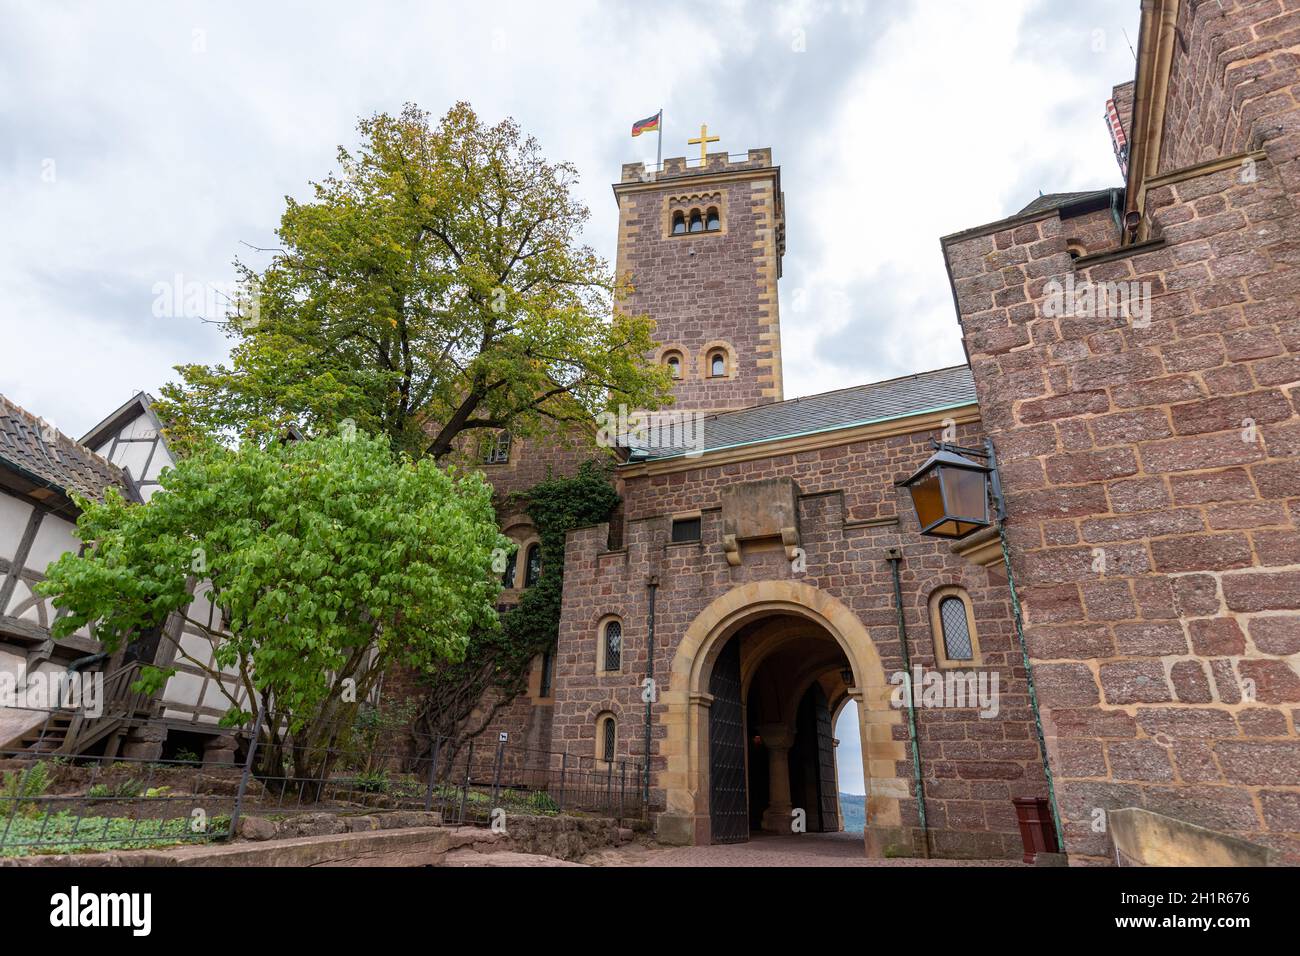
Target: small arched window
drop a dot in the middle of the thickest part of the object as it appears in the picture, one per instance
(697, 221)
(606, 738)
(612, 645)
(508, 578)
(712, 221)
(533, 565)
(717, 365)
(952, 620)
(679, 224)
(956, 632)
(674, 363)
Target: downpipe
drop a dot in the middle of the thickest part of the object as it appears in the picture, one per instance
(895, 558)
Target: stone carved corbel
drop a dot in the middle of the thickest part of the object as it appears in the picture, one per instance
(764, 511)
(790, 539)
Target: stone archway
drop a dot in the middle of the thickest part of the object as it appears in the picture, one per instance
(685, 778)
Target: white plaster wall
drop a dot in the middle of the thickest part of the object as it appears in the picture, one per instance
(53, 538)
(13, 663)
(14, 515)
(132, 457)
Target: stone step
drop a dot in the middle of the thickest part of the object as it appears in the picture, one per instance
(473, 858)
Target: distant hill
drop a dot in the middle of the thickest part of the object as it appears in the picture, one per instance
(855, 811)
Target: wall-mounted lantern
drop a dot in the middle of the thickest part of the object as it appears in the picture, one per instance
(950, 492)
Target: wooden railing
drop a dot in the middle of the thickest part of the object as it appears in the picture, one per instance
(121, 704)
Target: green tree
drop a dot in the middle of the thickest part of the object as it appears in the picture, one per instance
(435, 285)
(330, 560)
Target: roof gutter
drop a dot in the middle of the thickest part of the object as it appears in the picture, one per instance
(1156, 39)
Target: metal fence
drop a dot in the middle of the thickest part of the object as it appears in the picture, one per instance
(52, 802)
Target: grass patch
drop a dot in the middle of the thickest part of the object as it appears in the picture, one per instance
(533, 802)
(64, 833)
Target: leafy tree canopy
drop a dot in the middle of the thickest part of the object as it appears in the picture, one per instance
(331, 559)
(436, 284)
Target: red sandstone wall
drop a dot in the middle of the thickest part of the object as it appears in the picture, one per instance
(1233, 79)
(1095, 231)
(1171, 452)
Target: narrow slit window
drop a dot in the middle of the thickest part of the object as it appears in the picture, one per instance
(613, 646)
(548, 668)
(607, 741)
(533, 567)
(508, 578)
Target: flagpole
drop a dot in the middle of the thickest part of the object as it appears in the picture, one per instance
(659, 158)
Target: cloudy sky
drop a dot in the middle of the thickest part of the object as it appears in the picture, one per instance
(140, 142)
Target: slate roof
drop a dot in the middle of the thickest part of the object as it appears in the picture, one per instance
(827, 411)
(1054, 200)
(43, 452)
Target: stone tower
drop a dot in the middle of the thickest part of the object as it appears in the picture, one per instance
(702, 246)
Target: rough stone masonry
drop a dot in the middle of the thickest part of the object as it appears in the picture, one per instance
(1153, 467)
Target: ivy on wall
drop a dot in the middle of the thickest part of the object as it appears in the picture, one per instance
(497, 663)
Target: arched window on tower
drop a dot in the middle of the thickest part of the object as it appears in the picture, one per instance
(697, 221)
(679, 224)
(717, 365)
(533, 565)
(712, 221)
(674, 362)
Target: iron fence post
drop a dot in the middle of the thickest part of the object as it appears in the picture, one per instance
(496, 775)
(433, 774)
(464, 790)
(609, 784)
(564, 768)
(622, 788)
(248, 770)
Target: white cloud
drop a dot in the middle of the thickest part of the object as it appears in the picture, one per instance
(898, 124)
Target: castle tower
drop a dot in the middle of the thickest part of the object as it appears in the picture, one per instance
(702, 246)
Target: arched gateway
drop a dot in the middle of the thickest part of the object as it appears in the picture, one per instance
(754, 682)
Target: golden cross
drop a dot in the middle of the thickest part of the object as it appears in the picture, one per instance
(704, 141)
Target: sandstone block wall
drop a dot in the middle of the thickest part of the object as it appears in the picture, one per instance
(1153, 469)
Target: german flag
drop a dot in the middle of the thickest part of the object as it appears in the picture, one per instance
(647, 125)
